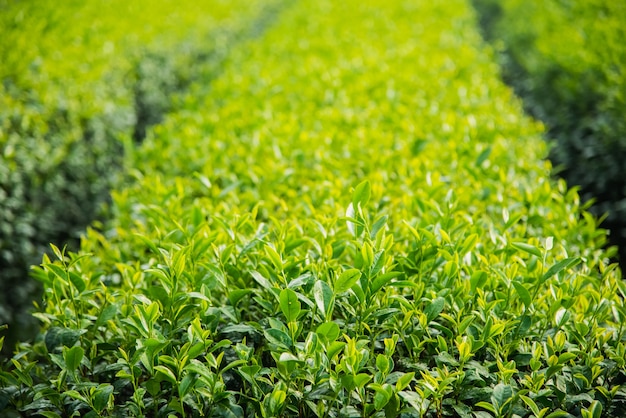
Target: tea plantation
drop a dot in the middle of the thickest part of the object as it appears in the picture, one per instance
(349, 215)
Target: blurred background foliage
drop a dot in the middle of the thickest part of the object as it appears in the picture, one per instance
(567, 60)
(79, 82)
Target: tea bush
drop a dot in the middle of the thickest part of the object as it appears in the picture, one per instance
(353, 219)
(567, 60)
(77, 80)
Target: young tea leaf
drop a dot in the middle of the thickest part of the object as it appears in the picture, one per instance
(73, 357)
(289, 304)
(324, 296)
(560, 266)
(329, 331)
(361, 195)
(346, 280)
(530, 249)
(523, 294)
(477, 280)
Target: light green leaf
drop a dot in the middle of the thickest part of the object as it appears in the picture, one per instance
(324, 298)
(477, 280)
(76, 395)
(346, 280)
(274, 257)
(258, 277)
(166, 373)
(361, 379)
(565, 357)
(560, 266)
(329, 331)
(404, 381)
(530, 249)
(289, 304)
(382, 363)
(73, 356)
(361, 195)
(523, 294)
(557, 414)
(486, 405)
(288, 357)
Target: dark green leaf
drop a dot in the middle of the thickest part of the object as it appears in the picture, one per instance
(78, 282)
(107, 314)
(483, 156)
(501, 394)
(57, 337)
(228, 410)
(101, 397)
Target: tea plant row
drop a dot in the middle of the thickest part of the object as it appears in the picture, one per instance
(567, 60)
(78, 82)
(353, 219)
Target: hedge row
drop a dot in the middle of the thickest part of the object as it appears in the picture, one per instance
(354, 219)
(567, 61)
(78, 80)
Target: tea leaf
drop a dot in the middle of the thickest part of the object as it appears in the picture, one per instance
(78, 282)
(166, 373)
(324, 298)
(289, 304)
(501, 394)
(261, 280)
(346, 280)
(278, 337)
(329, 331)
(530, 249)
(478, 279)
(73, 357)
(404, 381)
(560, 266)
(523, 294)
(434, 308)
(361, 194)
(101, 397)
